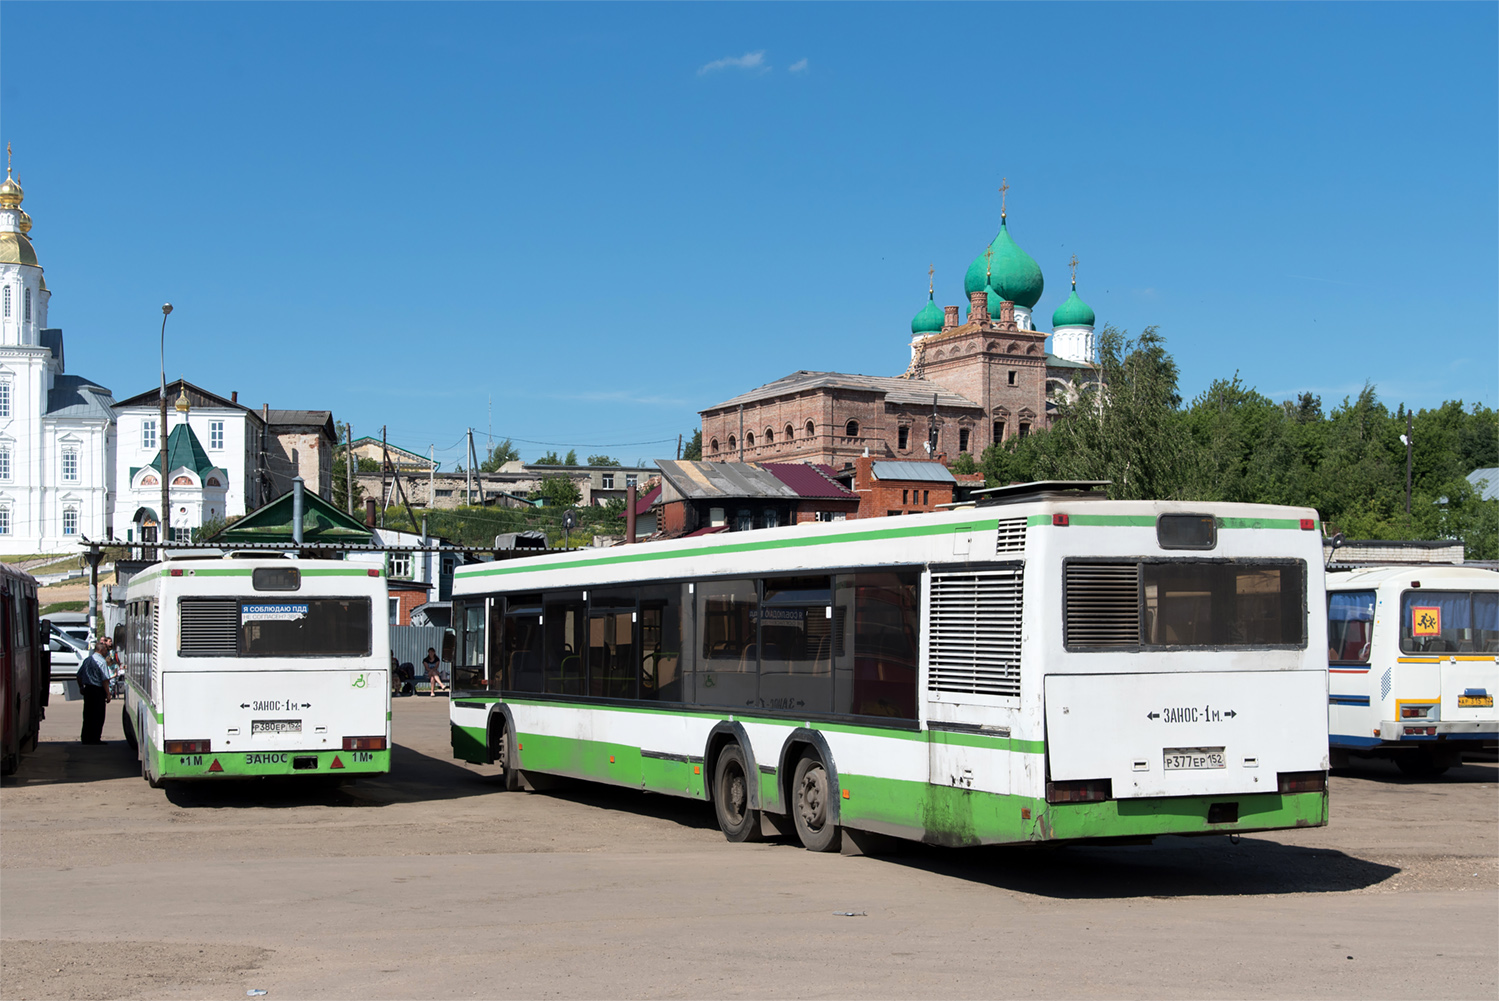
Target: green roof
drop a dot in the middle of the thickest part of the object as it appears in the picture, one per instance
(1072, 313)
(929, 320)
(183, 449)
(1012, 272)
(322, 524)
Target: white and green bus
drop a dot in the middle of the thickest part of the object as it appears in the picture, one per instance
(1048, 665)
(257, 666)
(1413, 664)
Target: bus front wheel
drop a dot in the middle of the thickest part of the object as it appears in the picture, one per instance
(129, 728)
(731, 797)
(811, 809)
(503, 748)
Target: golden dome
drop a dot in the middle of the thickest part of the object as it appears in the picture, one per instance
(182, 403)
(11, 194)
(16, 249)
(25, 222)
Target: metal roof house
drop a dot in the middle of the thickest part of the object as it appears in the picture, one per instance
(702, 497)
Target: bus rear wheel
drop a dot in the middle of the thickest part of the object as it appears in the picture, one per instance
(129, 728)
(503, 746)
(1424, 763)
(811, 792)
(731, 797)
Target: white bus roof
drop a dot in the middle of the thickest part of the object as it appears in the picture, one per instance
(1429, 575)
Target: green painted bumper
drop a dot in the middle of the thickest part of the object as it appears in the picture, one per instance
(247, 763)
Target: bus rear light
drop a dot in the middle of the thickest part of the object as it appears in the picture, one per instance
(176, 571)
(374, 573)
(187, 747)
(1307, 524)
(1420, 731)
(1086, 791)
(1415, 712)
(364, 743)
(1288, 782)
(1060, 520)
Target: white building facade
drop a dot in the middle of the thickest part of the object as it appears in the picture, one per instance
(56, 430)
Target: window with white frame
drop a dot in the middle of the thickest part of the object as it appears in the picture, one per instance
(398, 566)
(4, 397)
(4, 463)
(215, 434)
(148, 434)
(4, 521)
(183, 535)
(70, 465)
(606, 481)
(70, 520)
(629, 480)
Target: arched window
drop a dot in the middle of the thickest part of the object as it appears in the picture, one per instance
(183, 481)
(213, 481)
(26, 306)
(962, 439)
(851, 429)
(732, 444)
(7, 302)
(788, 432)
(811, 430)
(149, 481)
(713, 444)
(749, 440)
(770, 436)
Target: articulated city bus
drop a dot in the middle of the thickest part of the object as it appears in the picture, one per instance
(1048, 665)
(257, 666)
(1413, 664)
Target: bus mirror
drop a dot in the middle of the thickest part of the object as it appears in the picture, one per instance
(119, 636)
(449, 642)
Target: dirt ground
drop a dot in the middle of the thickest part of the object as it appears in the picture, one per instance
(433, 882)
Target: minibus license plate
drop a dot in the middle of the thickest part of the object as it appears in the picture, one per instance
(1475, 701)
(275, 726)
(1186, 758)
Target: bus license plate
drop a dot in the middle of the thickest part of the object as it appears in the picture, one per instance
(275, 726)
(1187, 758)
(1475, 701)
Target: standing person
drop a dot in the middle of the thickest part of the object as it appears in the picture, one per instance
(431, 663)
(93, 681)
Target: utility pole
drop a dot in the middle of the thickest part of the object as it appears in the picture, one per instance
(468, 478)
(349, 463)
(384, 469)
(431, 478)
(679, 453)
(161, 436)
(1407, 468)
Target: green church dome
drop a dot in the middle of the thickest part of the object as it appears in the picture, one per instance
(1013, 273)
(929, 320)
(1072, 313)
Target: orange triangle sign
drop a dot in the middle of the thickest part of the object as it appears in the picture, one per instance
(336, 763)
(216, 767)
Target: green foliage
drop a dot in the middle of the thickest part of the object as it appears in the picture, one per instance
(1234, 444)
(500, 454)
(557, 491)
(551, 459)
(477, 526)
(693, 450)
(341, 482)
(602, 460)
(964, 463)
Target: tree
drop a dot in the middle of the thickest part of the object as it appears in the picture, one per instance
(549, 459)
(500, 454)
(558, 491)
(341, 482)
(602, 460)
(964, 463)
(693, 451)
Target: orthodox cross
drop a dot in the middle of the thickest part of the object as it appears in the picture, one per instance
(989, 263)
(1073, 265)
(1004, 185)
(931, 286)
(7, 159)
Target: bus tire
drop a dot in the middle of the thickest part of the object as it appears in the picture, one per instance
(731, 797)
(811, 808)
(504, 756)
(1422, 763)
(129, 728)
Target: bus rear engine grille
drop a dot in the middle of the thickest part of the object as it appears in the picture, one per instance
(1103, 605)
(210, 627)
(975, 632)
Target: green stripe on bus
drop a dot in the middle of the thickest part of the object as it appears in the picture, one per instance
(242, 763)
(1281, 523)
(742, 547)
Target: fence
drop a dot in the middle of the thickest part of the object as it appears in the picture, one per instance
(410, 643)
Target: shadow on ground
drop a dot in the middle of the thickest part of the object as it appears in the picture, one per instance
(1383, 770)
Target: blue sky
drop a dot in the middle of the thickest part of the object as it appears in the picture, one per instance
(606, 218)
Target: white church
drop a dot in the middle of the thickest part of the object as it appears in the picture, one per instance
(56, 430)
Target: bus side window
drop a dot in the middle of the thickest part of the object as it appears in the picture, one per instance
(661, 642)
(1486, 622)
(728, 655)
(881, 678)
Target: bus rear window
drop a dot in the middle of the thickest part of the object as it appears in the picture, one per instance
(1449, 622)
(306, 627)
(1350, 626)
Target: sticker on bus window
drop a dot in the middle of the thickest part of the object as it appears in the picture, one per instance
(273, 613)
(1426, 621)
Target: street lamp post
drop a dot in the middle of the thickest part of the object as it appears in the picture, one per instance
(161, 436)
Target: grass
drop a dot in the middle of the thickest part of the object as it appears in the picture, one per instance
(63, 606)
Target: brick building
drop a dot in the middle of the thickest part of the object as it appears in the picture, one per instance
(888, 489)
(701, 497)
(969, 383)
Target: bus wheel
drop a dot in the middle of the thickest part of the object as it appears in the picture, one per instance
(129, 729)
(504, 756)
(810, 791)
(731, 797)
(1422, 763)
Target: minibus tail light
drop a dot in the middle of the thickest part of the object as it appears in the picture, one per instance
(1060, 520)
(364, 743)
(1307, 524)
(1086, 791)
(1289, 782)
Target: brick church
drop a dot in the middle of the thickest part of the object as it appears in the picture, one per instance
(971, 382)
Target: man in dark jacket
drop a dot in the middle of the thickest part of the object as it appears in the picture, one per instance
(93, 682)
